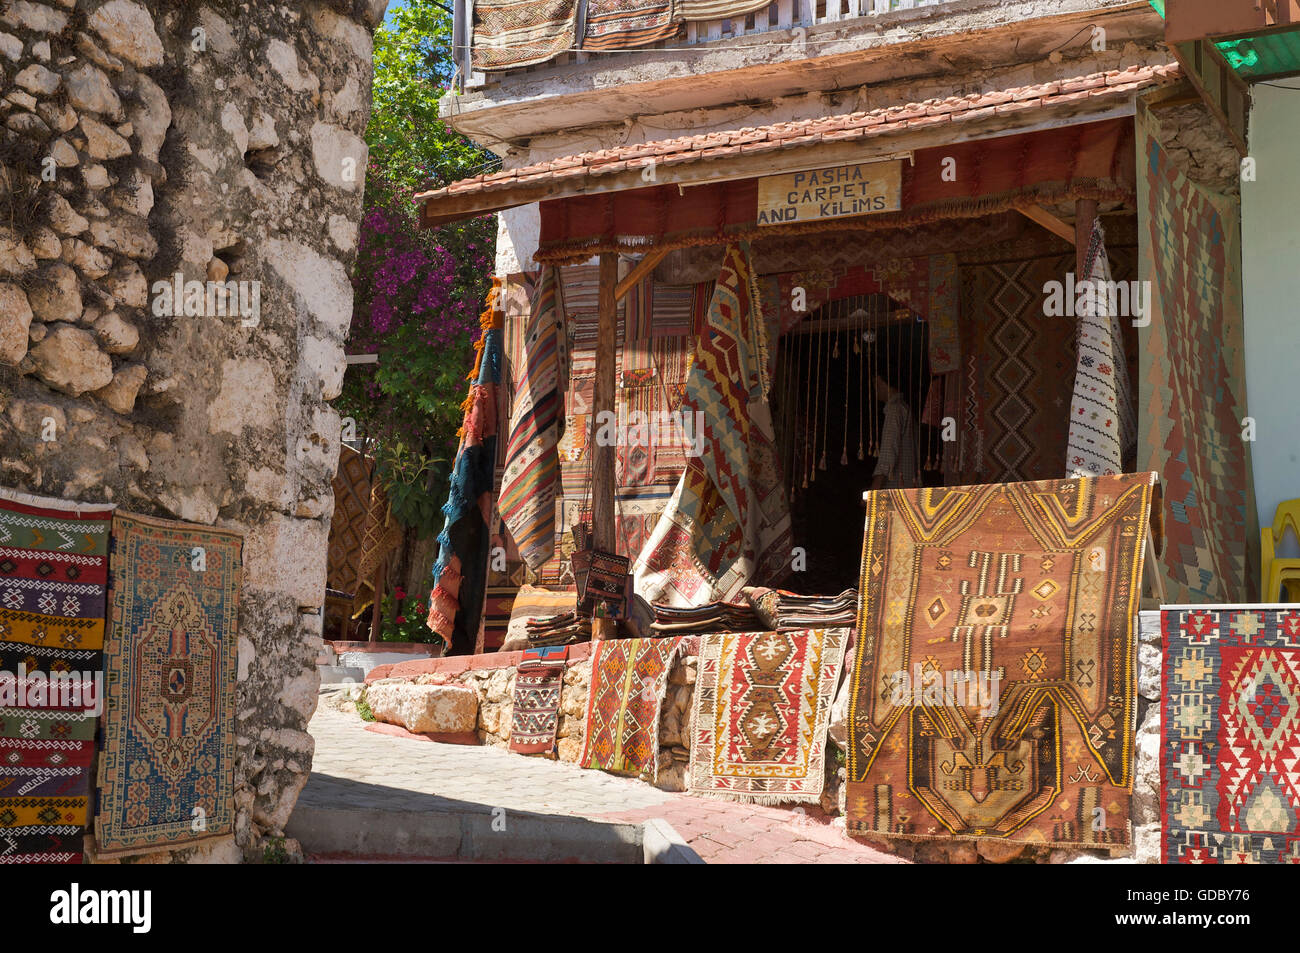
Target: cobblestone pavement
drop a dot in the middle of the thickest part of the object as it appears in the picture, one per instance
(359, 768)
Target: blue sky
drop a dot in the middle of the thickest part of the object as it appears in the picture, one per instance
(393, 5)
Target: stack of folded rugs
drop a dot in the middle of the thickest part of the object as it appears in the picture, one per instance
(560, 629)
(789, 611)
(714, 617)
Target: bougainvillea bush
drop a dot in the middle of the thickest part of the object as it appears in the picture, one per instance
(417, 292)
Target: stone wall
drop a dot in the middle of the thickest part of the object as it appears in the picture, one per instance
(141, 140)
(495, 689)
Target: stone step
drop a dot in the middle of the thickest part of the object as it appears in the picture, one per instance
(460, 832)
(337, 674)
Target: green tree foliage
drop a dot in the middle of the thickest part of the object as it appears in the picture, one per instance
(418, 292)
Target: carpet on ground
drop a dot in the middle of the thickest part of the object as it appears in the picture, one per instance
(53, 575)
(994, 687)
(1230, 730)
(167, 769)
(761, 708)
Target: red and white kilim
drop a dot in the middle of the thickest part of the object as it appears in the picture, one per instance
(762, 707)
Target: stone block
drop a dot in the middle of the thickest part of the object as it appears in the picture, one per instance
(435, 708)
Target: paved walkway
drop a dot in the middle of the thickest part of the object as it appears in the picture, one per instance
(357, 768)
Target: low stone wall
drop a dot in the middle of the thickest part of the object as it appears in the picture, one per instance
(493, 678)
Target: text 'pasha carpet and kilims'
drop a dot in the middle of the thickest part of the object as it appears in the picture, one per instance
(1230, 720)
(994, 691)
(535, 712)
(762, 704)
(53, 572)
(628, 680)
(166, 773)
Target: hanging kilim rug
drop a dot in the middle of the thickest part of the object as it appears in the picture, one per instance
(993, 693)
(535, 712)
(727, 523)
(628, 24)
(53, 572)
(628, 680)
(170, 662)
(509, 34)
(1230, 733)
(1192, 378)
(762, 705)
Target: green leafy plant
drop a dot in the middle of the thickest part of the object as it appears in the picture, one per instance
(402, 619)
(418, 291)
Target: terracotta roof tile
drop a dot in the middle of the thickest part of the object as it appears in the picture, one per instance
(752, 140)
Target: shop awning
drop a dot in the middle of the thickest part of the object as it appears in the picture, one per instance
(798, 145)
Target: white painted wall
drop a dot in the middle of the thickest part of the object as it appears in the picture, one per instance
(518, 230)
(1270, 242)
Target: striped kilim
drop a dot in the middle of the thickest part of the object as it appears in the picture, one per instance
(535, 711)
(167, 770)
(53, 575)
(1230, 724)
(728, 521)
(761, 708)
(532, 472)
(629, 678)
(627, 24)
(1102, 427)
(993, 692)
(509, 34)
(1192, 381)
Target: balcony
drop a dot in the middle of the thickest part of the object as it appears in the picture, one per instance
(768, 59)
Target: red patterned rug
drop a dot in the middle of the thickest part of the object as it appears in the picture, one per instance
(535, 712)
(762, 704)
(1230, 726)
(628, 680)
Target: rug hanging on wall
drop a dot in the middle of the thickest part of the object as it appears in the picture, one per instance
(994, 690)
(761, 708)
(1230, 723)
(1020, 367)
(1192, 380)
(535, 711)
(629, 678)
(532, 469)
(728, 521)
(53, 574)
(170, 659)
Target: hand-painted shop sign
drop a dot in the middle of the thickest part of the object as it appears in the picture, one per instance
(836, 192)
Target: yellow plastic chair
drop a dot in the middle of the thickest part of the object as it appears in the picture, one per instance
(1280, 573)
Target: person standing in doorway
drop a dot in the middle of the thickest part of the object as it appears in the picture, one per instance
(896, 462)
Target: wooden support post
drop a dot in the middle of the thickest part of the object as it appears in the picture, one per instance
(1085, 213)
(602, 490)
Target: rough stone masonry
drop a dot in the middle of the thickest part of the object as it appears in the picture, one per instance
(215, 149)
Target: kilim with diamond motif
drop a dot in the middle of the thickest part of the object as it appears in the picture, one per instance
(1028, 591)
(629, 678)
(53, 577)
(1230, 735)
(509, 34)
(170, 659)
(1192, 381)
(761, 708)
(535, 711)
